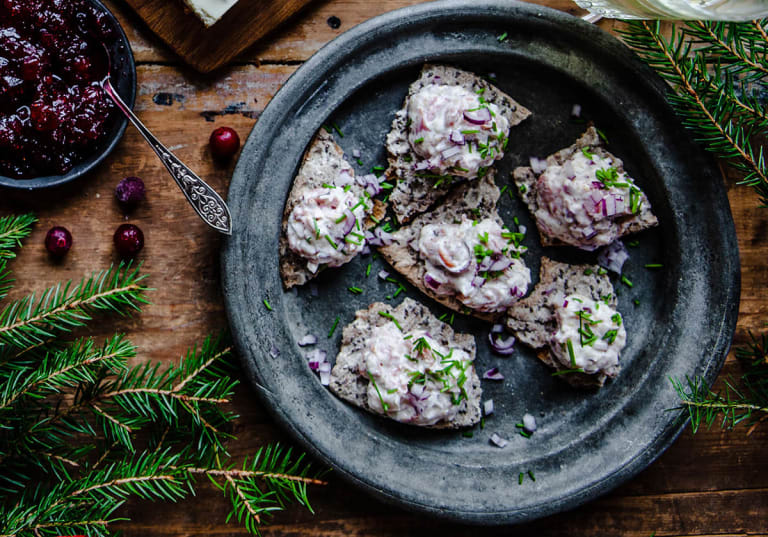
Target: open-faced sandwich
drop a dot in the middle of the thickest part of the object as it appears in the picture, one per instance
(582, 196)
(571, 318)
(453, 126)
(326, 214)
(461, 254)
(405, 364)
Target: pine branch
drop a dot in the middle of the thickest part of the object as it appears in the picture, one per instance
(62, 308)
(12, 230)
(703, 87)
(745, 403)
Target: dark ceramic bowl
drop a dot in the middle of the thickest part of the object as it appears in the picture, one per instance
(123, 72)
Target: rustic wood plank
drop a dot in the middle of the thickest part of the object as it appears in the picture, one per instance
(715, 483)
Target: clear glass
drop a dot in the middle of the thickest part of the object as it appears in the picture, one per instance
(724, 10)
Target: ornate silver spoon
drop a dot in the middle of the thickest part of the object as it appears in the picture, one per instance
(208, 204)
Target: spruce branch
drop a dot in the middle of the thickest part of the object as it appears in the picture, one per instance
(62, 308)
(745, 403)
(713, 69)
(82, 431)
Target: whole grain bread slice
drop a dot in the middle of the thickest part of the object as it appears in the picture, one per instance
(526, 179)
(322, 164)
(348, 383)
(532, 320)
(414, 194)
(473, 199)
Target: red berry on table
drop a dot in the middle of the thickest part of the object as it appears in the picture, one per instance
(224, 143)
(129, 240)
(58, 241)
(130, 191)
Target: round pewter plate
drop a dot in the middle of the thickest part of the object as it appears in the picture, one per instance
(679, 319)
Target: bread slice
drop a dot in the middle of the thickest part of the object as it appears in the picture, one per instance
(348, 384)
(532, 320)
(526, 179)
(322, 163)
(474, 199)
(412, 194)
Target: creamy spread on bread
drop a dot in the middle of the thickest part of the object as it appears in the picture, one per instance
(455, 131)
(326, 227)
(477, 261)
(590, 335)
(580, 200)
(412, 378)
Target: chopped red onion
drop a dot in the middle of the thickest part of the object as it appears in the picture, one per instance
(501, 264)
(478, 281)
(457, 138)
(485, 264)
(325, 378)
(538, 165)
(451, 152)
(431, 282)
(529, 423)
(344, 178)
(274, 352)
(356, 153)
(568, 170)
(421, 165)
(609, 209)
(488, 407)
(349, 222)
(613, 256)
(324, 366)
(383, 274)
(366, 249)
(497, 329)
(493, 374)
(500, 345)
(479, 116)
(309, 339)
(499, 441)
(417, 389)
(576, 111)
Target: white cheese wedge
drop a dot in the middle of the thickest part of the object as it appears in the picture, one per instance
(210, 11)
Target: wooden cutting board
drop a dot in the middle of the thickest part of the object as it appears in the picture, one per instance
(206, 49)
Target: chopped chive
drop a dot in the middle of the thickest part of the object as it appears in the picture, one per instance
(384, 405)
(368, 270)
(523, 189)
(524, 434)
(267, 304)
(378, 169)
(340, 219)
(502, 37)
(601, 271)
(626, 281)
(530, 474)
(633, 244)
(328, 129)
(503, 189)
(482, 423)
(602, 135)
(571, 354)
(391, 317)
(520, 478)
(566, 371)
(359, 162)
(330, 241)
(654, 265)
(418, 140)
(587, 272)
(451, 320)
(472, 131)
(636, 302)
(337, 129)
(355, 290)
(333, 328)
(467, 434)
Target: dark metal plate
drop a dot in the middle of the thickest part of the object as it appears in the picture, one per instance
(682, 323)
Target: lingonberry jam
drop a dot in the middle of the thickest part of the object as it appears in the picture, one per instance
(52, 110)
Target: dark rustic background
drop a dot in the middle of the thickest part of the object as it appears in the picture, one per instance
(715, 483)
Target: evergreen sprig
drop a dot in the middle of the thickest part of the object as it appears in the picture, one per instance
(743, 402)
(718, 76)
(82, 430)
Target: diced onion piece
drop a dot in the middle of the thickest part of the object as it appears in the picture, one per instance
(500, 345)
(613, 256)
(309, 339)
(325, 378)
(529, 423)
(538, 165)
(274, 352)
(383, 274)
(356, 153)
(499, 441)
(488, 407)
(451, 152)
(349, 222)
(501, 264)
(493, 374)
(457, 138)
(479, 116)
(324, 366)
(497, 329)
(576, 110)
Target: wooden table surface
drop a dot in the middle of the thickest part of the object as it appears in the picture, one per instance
(715, 483)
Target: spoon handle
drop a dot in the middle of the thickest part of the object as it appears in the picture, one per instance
(204, 199)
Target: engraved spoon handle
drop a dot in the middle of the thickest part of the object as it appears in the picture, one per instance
(204, 199)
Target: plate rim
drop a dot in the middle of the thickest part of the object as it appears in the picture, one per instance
(359, 35)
